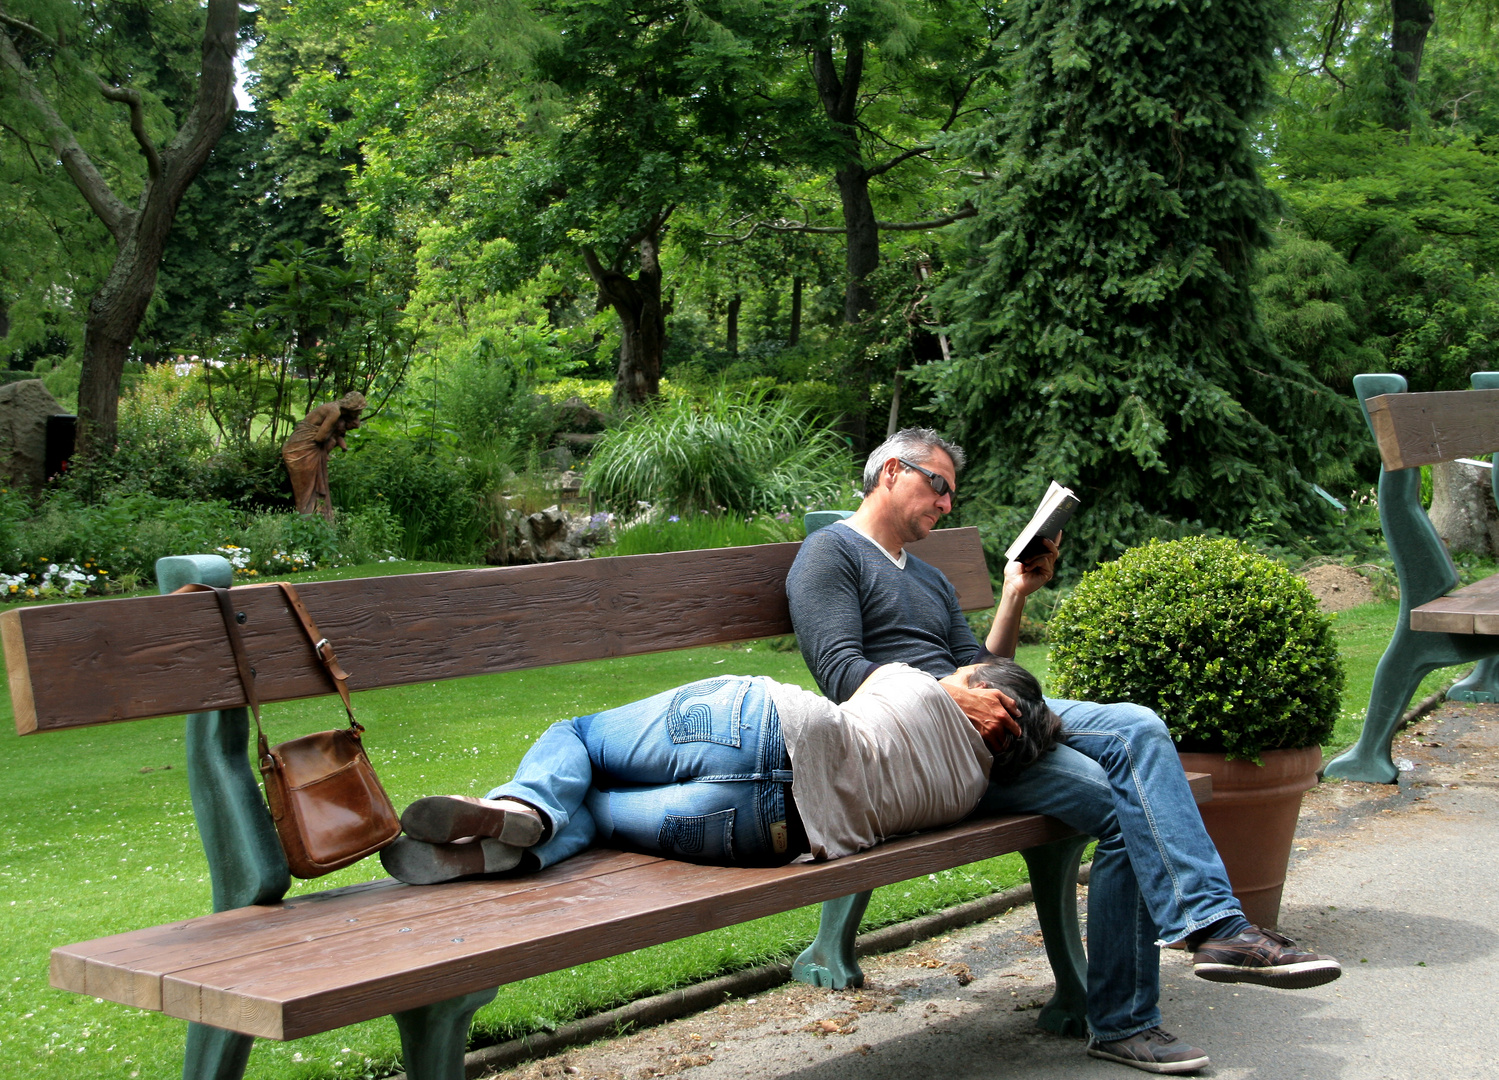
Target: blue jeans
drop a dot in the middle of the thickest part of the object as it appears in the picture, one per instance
(696, 773)
(1156, 875)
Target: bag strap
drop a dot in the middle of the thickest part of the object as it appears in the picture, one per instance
(324, 650)
(241, 661)
(321, 647)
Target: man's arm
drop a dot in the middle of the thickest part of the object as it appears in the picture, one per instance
(1021, 579)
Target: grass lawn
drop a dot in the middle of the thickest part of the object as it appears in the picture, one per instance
(103, 840)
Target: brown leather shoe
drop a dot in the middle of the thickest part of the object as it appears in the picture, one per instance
(418, 863)
(442, 819)
(1264, 958)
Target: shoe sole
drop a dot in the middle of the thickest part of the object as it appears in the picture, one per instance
(439, 819)
(1286, 977)
(417, 862)
(1166, 1067)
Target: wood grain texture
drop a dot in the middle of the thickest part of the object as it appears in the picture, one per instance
(130, 659)
(13, 638)
(325, 960)
(1423, 429)
(133, 964)
(1473, 609)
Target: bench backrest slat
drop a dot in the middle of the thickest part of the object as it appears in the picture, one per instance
(1423, 429)
(130, 659)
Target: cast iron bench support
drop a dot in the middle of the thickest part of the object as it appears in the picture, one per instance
(1434, 630)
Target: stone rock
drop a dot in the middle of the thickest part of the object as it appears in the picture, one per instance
(577, 415)
(550, 535)
(1462, 508)
(24, 408)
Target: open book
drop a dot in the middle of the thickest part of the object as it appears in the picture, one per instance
(1056, 509)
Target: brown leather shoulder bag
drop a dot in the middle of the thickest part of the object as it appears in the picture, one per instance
(329, 807)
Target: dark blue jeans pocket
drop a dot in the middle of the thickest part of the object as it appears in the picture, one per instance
(708, 711)
(701, 838)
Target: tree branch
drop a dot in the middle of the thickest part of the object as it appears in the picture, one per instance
(783, 226)
(968, 211)
(22, 24)
(80, 169)
(132, 98)
(915, 151)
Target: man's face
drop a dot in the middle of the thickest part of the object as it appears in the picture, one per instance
(915, 508)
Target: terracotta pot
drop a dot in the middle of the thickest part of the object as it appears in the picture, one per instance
(1252, 820)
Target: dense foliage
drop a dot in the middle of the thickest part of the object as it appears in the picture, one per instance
(1226, 645)
(1105, 324)
(1138, 246)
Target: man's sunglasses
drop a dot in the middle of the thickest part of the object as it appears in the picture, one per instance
(937, 480)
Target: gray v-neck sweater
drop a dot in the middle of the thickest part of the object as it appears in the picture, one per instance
(853, 610)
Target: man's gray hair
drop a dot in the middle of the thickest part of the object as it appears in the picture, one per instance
(915, 444)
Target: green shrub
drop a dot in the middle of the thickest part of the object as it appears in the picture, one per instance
(1227, 645)
(426, 487)
(490, 402)
(122, 534)
(249, 475)
(728, 452)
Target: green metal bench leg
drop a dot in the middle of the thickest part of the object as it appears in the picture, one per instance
(829, 961)
(245, 861)
(1482, 685)
(434, 1037)
(1410, 657)
(215, 1054)
(1053, 870)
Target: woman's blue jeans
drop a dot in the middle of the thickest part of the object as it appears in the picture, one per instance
(696, 773)
(1156, 875)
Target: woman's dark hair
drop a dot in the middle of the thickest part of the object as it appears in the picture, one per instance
(1040, 728)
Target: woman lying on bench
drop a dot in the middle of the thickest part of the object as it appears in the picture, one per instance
(705, 772)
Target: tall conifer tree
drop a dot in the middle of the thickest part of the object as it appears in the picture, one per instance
(1105, 333)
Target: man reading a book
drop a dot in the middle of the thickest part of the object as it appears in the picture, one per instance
(859, 600)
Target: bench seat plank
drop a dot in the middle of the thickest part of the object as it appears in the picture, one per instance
(130, 967)
(90, 663)
(299, 968)
(1473, 609)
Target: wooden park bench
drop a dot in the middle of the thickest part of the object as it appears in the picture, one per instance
(1439, 624)
(430, 956)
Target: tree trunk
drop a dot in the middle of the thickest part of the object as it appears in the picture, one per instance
(140, 232)
(861, 253)
(114, 315)
(894, 423)
(1412, 21)
(642, 320)
(732, 330)
(796, 312)
(1462, 508)
(840, 101)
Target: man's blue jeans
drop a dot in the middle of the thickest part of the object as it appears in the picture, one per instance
(696, 773)
(1156, 875)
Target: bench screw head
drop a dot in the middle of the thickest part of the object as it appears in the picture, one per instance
(241, 618)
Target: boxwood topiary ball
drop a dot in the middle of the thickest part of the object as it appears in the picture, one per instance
(1225, 644)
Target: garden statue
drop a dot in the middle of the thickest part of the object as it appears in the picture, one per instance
(306, 453)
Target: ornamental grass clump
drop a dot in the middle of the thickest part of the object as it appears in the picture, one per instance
(1226, 645)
